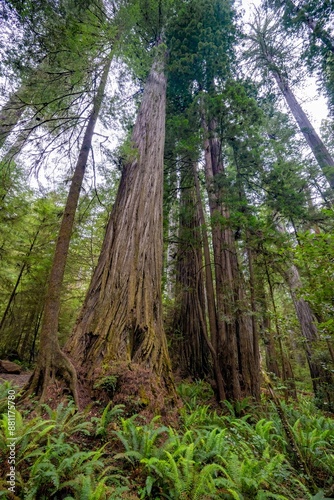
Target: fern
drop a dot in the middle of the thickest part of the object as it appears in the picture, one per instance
(109, 414)
(139, 441)
(182, 477)
(59, 466)
(68, 420)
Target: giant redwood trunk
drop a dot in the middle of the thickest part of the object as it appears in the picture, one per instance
(319, 150)
(189, 323)
(238, 356)
(51, 361)
(120, 327)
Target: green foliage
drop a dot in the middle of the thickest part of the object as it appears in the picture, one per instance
(67, 419)
(199, 31)
(138, 441)
(210, 455)
(109, 414)
(107, 383)
(179, 475)
(316, 251)
(50, 462)
(58, 466)
(193, 394)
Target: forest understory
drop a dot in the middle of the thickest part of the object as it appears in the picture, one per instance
(201, 451)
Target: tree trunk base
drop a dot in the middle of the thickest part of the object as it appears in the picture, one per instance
(139, 389)
(48, 369)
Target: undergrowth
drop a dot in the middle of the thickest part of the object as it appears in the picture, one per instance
(240, 453)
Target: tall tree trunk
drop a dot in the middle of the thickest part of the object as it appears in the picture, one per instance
(51, 361)
(272, 357)
(255, 328)
(190, 299)
(287, 372)
(237, 356)
(319, 32)
(120, 328)
(319, 150)
(211, 299)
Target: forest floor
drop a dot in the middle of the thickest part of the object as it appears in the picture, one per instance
(240, 451)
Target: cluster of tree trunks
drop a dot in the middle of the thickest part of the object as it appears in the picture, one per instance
(120, 326)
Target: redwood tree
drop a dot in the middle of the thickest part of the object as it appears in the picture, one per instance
(189, 323)
(120, 329)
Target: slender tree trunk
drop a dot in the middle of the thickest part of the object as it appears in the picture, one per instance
(237, 357)
(36, 330)
(190, 299)
(27, 330)
(319, 150)
(318, 31)
(266, 333)
(322, 379)
(18, 279)
(120, 329)
(210, 296)
(287, 373)
(51, 360)
(255, 329)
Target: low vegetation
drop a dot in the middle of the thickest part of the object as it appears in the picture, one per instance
(242, 452)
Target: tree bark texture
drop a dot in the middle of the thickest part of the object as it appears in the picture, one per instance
(287, 372)
(255, 327)
(51, 361)
(189, 316)
(267, 336)
(212, 340)
(239, 362)
(121, 321)
(319, 150)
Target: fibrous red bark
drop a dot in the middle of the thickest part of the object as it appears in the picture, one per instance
(189, 323)
(120, 325)
(238, 355)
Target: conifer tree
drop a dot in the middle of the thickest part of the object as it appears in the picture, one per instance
(268, 51)
(189, 324)
(120, 330)
(52, 362)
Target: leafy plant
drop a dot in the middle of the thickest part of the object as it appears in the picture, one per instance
(139, 441)
(181, 477)
(109, 414)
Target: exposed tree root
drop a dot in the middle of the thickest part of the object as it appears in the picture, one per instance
(49, 368)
